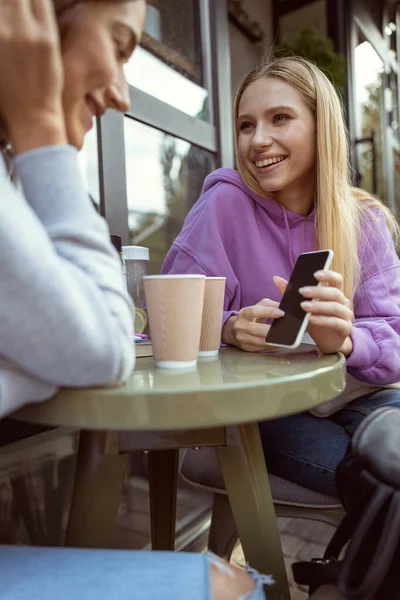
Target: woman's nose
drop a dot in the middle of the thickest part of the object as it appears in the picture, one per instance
(117, 95)
(261, 138)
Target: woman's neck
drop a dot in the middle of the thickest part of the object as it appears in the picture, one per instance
(298, 199)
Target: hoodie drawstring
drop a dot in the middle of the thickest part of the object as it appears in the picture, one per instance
(292, 257)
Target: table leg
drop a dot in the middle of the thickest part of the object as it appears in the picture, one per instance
(97, 493)
(163, 482)
(246, 479)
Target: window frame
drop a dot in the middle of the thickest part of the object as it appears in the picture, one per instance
(215, 136)
(361, 21)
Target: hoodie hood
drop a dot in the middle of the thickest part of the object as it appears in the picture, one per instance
(278, 213)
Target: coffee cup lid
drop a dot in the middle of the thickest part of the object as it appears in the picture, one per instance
(135, 253)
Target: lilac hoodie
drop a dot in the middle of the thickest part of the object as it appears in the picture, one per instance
(233, 232)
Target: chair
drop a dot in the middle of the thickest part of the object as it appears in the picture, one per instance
(200, 468)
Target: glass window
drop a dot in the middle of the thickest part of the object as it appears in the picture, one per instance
(168, 65)
(391, 30)
(172, 33)
(375, 10)
(152, 76)
(89, 164)
(393, 103)
(164, 179)
(369, 73)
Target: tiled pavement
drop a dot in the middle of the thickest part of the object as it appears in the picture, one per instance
(301, 539)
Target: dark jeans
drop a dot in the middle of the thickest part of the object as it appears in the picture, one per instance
(307, 450)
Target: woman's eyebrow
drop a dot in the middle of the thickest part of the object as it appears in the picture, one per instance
(268, 111)
(281, 107)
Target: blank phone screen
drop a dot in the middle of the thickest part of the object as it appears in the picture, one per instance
(284, 331)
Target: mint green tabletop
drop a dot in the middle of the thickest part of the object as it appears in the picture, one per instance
(236, 387)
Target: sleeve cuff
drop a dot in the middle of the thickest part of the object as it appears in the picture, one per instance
(227, 314)
(365, 351)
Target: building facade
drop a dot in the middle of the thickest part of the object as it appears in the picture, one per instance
(145, 169)
(367, 33)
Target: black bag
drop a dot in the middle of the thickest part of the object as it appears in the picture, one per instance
(368, 481)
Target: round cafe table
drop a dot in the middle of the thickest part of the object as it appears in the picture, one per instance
(217, 404)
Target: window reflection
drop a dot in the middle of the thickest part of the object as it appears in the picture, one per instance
(391, 30)
(152, 76)
(88, 161)
(393, 103)
(168, 65)
(369, 71)
(164, 179)
(171, 34)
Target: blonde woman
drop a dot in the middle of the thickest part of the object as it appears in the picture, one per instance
(291, 194)
(65, 316)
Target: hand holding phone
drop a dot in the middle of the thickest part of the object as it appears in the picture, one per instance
(288, 331)
(248, 329)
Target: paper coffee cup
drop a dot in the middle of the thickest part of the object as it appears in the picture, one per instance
(214, 294)
(175, 305)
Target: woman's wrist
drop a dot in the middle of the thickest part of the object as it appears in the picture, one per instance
(47, 130)
(227, 331)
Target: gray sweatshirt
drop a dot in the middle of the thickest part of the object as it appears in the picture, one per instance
(65, 316)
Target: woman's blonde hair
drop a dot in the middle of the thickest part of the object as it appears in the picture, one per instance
(339, 208)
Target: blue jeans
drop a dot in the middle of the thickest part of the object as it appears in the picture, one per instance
(307, 449)
(75, 574)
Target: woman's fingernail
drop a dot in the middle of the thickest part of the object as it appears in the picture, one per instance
(277, 312)
(305, 290)
(306, 304)
(319, 274)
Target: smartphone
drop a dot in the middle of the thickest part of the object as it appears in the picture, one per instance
(288, 331)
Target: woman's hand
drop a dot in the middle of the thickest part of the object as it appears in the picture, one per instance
(31, 74)
(248, 330)
(331, 319)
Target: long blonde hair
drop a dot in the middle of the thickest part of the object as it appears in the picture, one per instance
(339, 208)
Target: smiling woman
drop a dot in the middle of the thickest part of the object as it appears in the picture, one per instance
(51, 90)
(292, 194)
(278, 167)
(97, 39)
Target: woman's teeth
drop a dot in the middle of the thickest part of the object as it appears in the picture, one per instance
(269, 161)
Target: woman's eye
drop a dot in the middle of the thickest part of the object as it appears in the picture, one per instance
(245, 125)
(281, 118)
(122, 54)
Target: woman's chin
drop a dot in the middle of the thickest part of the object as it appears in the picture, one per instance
(79, 144)
(76, 137)
(270, 187)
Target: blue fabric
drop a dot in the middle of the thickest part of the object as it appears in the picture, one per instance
(28, 573)
(307, 449)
